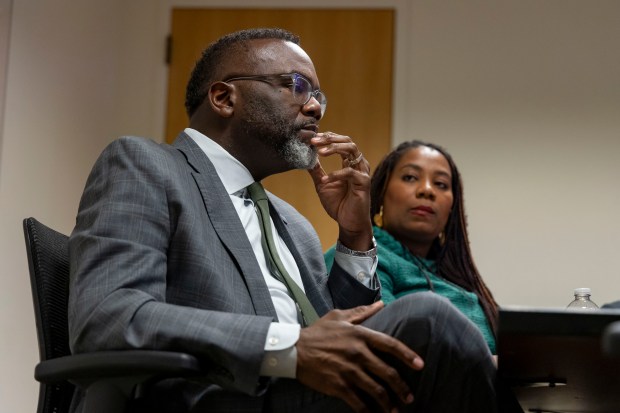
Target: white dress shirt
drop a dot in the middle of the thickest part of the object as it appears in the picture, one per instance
(281, 356)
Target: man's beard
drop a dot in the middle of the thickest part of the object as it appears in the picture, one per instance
(295, 153)
(265, 123)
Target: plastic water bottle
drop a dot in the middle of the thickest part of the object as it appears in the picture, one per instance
(582, 300)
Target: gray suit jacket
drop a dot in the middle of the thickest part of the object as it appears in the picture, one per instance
(160, 260)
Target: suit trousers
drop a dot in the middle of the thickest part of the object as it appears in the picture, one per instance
(458, 376)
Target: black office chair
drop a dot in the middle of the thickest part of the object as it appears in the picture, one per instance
(611, 336)
(611, 340)
(110, 379)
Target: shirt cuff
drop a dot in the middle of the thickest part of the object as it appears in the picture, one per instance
(361, 268)
(280, 358)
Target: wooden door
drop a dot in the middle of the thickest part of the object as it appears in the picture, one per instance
(352, 53)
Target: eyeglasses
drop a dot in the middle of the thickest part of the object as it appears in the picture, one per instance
(300, 86)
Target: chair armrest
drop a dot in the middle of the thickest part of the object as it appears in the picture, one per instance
(110, 378)
(83, 369)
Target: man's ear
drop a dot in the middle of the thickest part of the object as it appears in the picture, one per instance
(222, 97)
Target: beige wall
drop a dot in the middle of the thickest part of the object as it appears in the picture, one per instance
(526, 96)
(5, 31)
(523, 93)
(80, 73)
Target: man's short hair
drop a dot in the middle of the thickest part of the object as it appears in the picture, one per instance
(214, 55)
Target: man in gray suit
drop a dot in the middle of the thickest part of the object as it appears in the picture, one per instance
(167, 253)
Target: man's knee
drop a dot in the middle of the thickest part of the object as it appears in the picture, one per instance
(437, 310)
(412, 319)
(422, 303)
(429, 317)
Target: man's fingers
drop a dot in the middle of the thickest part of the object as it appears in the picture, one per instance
(386, 374)
(330, 143)
(317, 173)
(389, 345)
(380, 381)
(376, 391)
(359, 365)
(361, 313)
(356, 315)
(390, 376)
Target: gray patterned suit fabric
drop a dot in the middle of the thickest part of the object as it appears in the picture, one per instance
(159, 259)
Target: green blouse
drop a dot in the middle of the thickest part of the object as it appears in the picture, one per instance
(400, 273)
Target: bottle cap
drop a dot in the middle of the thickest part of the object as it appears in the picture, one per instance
(581, 291)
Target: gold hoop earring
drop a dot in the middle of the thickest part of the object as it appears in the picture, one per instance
(442, 238)
(378, 218)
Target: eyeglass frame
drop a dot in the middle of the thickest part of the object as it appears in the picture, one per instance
(293, 76)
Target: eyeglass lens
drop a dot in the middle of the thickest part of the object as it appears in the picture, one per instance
(302, 90)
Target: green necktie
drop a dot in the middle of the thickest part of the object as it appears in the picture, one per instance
(259, 197)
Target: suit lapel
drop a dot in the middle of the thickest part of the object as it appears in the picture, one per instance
(226, 223)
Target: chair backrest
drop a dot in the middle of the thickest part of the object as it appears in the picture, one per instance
(48, 261)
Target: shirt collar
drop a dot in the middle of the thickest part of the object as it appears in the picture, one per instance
(233, 174)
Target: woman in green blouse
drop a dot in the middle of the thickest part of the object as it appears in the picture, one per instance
(421, 233)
